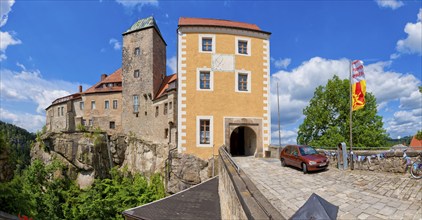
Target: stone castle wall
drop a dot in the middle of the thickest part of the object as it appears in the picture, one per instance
(391, 162)
(149, 121)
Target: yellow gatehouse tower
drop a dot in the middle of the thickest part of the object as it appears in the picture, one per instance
(223, 87)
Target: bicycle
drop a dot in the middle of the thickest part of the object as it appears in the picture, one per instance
(416, 168)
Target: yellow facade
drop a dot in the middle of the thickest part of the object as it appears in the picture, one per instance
(222, 103)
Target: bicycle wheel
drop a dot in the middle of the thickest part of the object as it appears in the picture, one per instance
(416, 170)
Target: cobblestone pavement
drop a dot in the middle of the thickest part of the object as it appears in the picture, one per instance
(359, 194)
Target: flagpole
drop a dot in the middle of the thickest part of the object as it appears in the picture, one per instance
(350, 116)
(278, 107)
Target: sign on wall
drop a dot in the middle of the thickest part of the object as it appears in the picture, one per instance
(222, 62)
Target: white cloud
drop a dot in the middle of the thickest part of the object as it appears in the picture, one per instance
(394, 56)
(281, 63)
(139, 3)
(29, 86)
(388, 85)
(6, 38)
(30, 122)
(5, 8)
(297, 87)
(413, 43)
(413, 101)
(393, 4)
(172, 64)
(404, 123)
(287, 137)
(115, 43)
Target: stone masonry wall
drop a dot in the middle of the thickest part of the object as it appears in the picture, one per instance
(230, 205)
(392, 162)
(146, 123)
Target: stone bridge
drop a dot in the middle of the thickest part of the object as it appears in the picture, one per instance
(259, 188)
(359, 194)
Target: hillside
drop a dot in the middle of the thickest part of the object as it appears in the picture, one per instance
(15, 145)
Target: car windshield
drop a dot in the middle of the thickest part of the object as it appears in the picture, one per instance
(307, 151)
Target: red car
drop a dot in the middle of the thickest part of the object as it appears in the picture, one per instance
(303, 157)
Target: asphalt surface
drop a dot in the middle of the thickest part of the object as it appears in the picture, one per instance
(198, 202)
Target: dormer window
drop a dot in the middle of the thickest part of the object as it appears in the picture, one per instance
(137, 51)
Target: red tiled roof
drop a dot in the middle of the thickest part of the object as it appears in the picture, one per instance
(115, 77)
(416, 144)
(216, 22)
(165, 85)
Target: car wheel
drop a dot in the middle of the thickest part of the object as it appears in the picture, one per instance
(283, 163)
(304, 168)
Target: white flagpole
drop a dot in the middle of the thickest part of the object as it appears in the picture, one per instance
(350, 116)
(278, 107)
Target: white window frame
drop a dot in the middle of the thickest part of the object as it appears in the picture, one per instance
(105, 106)
(81, 105)
(198, 79)
(117, 103)
(201, 36)
(236, 84)
(93, 105)
(248, 40)
(136, 103)
(198, 130)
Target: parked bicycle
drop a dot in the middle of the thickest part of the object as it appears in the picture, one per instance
(416, 168)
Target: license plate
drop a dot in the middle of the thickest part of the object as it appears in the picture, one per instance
(322, 164)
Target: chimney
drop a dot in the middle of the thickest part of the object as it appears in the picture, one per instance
(80, 88)
(103, 76)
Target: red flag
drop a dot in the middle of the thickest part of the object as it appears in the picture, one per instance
(359, 85)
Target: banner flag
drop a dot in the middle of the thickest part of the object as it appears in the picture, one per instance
(358, 86)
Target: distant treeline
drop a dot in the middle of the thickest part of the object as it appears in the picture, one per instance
(16, 143)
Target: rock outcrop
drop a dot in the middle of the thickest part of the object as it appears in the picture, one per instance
(91, 155)
(144, 157)
(86, 156)
(187, 170)
(6, 168)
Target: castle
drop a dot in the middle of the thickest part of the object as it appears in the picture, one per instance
(219, 96)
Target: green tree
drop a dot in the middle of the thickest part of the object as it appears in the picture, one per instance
(419, 135)
(327, 120)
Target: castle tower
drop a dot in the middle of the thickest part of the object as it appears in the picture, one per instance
(224, 85)
(143, 71)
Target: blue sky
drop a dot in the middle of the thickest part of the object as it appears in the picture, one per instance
(48, 48)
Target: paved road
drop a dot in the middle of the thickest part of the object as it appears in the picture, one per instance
(359, 194)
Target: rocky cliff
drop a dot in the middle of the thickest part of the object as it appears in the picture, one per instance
(90, 155)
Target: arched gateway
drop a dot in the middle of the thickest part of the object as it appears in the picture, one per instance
(243, 136)
(243, 142)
